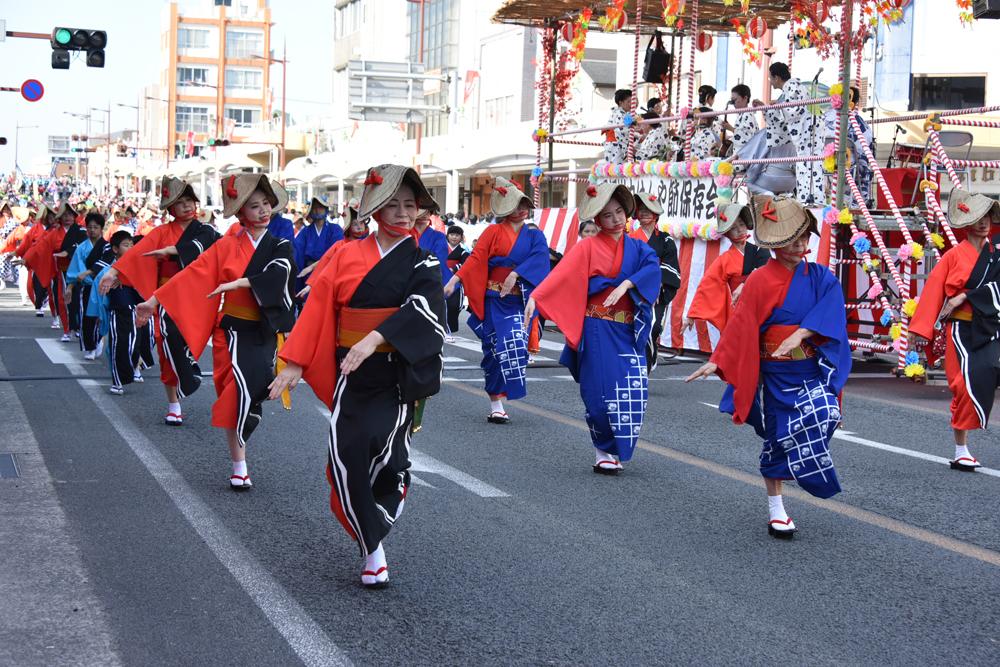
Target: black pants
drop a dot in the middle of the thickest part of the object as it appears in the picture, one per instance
(144, 346)
(76, 305)
(90, 327)
(454, 306)
(41, 292)
(659, 309)
(123, 348)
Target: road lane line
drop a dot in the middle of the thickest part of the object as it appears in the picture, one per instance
(849, 436)
(896, 526)
(305, 637)
(475, 346)
(58, 353)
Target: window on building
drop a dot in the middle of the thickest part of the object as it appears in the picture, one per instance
(244, 79)
(244, 44)
(347, 18)
(440, 51)
(946, 92)
(499, 111)
(191, 118)
(244, 117)
(188, 76)
(192, 38)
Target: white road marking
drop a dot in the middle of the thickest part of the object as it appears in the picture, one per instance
(549, 345)
(59, 353)
(424, 463)
(304, 636)
(848, 436)
(451, 360)
(474, 346)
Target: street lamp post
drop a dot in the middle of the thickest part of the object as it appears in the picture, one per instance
(168, 148)
(107, 162)
(284, 99)
(136, 107)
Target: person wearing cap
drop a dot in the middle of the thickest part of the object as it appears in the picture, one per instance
(47, 261)
(457, 254)
(82, 279)
(149, 265)
(369, 344)
(647, 213)
(247, 278)
(962, 293)
(509, 260)
(785, 357)
(316, 238)
(601, 296)
(722, 283)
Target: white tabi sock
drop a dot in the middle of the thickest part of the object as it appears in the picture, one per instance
(174, 408)
(603, 456)
(776, 508)
(240, 468)
(375, 561)
(497, 406)
(962, 450)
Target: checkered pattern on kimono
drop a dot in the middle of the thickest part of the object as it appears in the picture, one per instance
(512, 351)
(628, 405)
(804, 437)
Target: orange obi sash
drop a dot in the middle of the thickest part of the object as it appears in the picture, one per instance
(498, 274)
(166, 270)
(356, 323)
(251, 313)
(623, 311)
(775, 335)
(963, 313)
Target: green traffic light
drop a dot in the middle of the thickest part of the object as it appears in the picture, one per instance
(63, 36)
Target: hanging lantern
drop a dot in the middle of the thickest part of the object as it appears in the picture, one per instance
(621, 22)
(568, 31)
(757, 27)
(704, 41)
(821, 10)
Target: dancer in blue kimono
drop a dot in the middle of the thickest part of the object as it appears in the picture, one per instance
(83, 280)
(601, 295)
(786, 357)
(510, 259)
(436, 243)
(116, 313)
(315, 238)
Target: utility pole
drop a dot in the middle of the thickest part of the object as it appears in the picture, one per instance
(17, 132)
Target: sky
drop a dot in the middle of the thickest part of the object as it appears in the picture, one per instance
(132, 62)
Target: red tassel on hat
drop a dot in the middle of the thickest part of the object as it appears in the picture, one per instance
(502, 190)
(231, 188)
(769, 212)
(373, 178)
(963, 207)
(591, 191)
(722, 216)
(652, 197)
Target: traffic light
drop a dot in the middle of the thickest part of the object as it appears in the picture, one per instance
(83, 150)
(218, 142)
(3, 141)
(64, 40)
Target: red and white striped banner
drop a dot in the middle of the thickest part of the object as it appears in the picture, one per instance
(561, 227)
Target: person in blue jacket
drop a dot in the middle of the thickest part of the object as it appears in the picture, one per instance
(315, 238)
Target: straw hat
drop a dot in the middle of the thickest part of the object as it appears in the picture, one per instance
(782, 220)
(598, 196)
(506, 197)
(315, 201)
(650, 202)
(729, 213)
(20, 213)
(236, 189)
(968, 208)
(172, 189)
(60, 210)
(382, 183)
(282, 196)
(205, 216)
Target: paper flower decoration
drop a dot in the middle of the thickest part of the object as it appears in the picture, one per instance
(829, 216)
(886, 317)
(937, 240)
(861, 246)
(918, 251)
(875, 291)
(910, 307)
(845, 217)
(540, 135)
(914, 371)
(912, 357)
(837, 89)
(904, 252)
(830, 164)
(726, 168)
(895, 331)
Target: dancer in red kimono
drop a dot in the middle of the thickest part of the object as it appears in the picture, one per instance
(153, 261)
(785, 357)
(962, 294)
(356, 230)
(45, 258)
(369, 344)
(36, 290)
(510, 259)
(601, 295)
(647, 212)
(250, 274)
(722, 283)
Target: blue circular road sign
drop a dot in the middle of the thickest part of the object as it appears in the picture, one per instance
(32, 90)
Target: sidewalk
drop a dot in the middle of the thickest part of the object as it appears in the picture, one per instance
(49, 614)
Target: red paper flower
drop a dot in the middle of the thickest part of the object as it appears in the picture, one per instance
(502, 190)
(769, 212)
(591, 191)
(652, 197)
(231, 188)
(166, 192)
(963, 207)
(373, 178)
(722, 216)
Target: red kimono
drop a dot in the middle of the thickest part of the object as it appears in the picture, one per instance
(713, 300)
(950, 277)
(246, 330)
(146, 274)
(39, 258)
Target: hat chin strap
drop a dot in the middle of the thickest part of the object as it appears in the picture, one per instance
(393, 230)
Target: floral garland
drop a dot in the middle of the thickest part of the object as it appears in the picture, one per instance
(811, 33)
(614, 16)
(965, 14)
(580, 27)
(751, 52)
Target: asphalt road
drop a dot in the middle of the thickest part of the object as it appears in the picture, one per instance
(510, 551)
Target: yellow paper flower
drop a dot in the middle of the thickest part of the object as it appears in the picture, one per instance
(836, 90)
(876, 262)
(910, 307)
(937, 240)
(726, 168)
(927, 185)
(914, 370)
(918, 251)
(845, 217)
(895, 331)
(830, 164)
